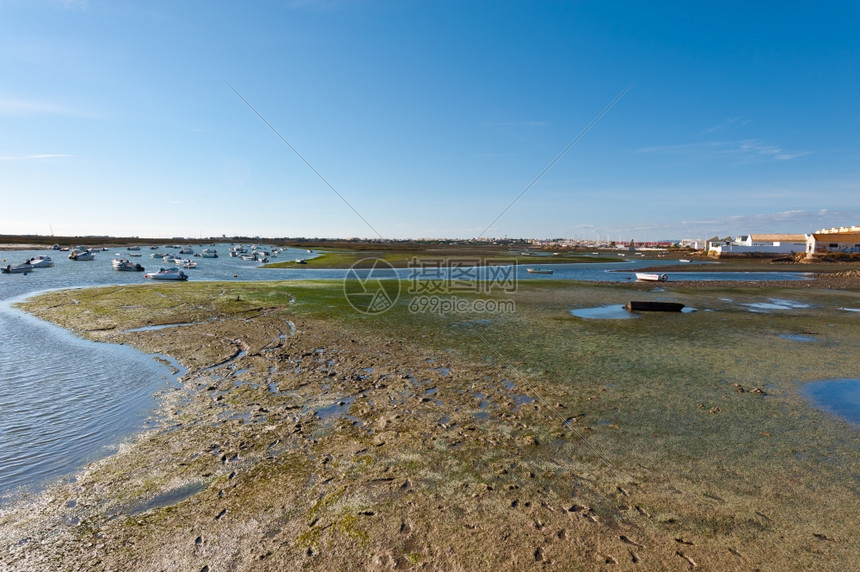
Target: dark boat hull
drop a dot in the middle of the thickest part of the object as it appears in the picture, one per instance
(635, 306)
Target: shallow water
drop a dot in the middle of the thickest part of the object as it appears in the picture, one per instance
(839, 396)
(776, 304)
(608, 312)
(65, 401)
(798, 337)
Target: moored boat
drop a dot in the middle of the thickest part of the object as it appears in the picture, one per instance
(126, 265)
(79, 255)
(651, 277)
(18, 268)
(167, 274)
(40, 261)
(538, 271)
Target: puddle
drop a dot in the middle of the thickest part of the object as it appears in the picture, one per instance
(798, 337)
(609, 312)
(239, 355)
(520, 400)
(335, 409)
(160, 327)
(776, 304)
(838, 396)
(167, 498)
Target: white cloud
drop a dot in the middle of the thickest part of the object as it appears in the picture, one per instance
(35, 157)
(32, 107)
(747, 150)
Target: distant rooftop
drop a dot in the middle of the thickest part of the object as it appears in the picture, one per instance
(839, 230)
(778, 237)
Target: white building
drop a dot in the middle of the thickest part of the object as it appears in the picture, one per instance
(841, 239)
(760, 243)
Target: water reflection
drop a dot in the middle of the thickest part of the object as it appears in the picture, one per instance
(839, 396)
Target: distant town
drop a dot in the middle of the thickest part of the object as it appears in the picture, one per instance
(824, 242)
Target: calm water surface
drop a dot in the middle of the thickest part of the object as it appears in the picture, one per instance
(839, 396)
(65, 401)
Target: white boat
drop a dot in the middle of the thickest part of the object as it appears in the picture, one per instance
(538, 271)
(18, 268)
(126, 265)
(77, 255)
(683, 260)
(651, 277)
(187, 250)
(167, 274)
(132, 248)
(40, 261)
(209, 253)
(186, 263)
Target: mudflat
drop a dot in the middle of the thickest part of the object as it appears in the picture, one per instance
(307, 435)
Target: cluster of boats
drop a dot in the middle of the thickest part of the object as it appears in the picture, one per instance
(256, 253)
(124, 263)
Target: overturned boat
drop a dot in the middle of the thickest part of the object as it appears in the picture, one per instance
(649, 306)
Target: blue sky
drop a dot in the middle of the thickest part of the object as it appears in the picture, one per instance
(428, 117)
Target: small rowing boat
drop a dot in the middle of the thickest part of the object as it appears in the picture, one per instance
(651, 277)
(538, 271)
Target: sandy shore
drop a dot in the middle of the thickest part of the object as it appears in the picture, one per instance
(306, 438)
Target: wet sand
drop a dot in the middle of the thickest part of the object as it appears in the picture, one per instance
(305, 437)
